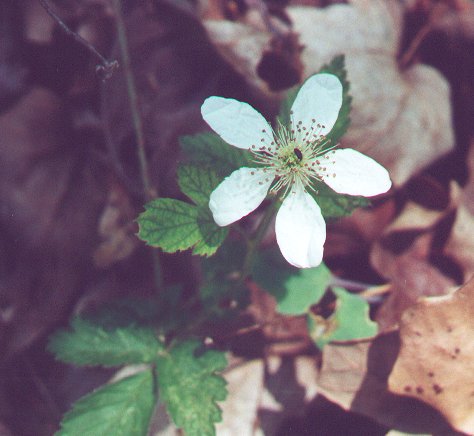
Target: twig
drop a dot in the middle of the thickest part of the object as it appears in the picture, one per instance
(133, 101)
(150, 192)
(106, 67)
(407, 57)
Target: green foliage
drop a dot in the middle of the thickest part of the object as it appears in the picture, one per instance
(349, 321)
(190, 388)
(211, 150)
(197, 183)
(334, 205)
(169, 224)
(336, 67)
(295, 290)
(174, 225)
(120, 409)
(221, 283)
(91, 344)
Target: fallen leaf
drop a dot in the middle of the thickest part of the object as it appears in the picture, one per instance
(436, 359)
(242, 46)
(460, 245)
(355, 377)
(50, 202)
(239, 411)
(284, 334)
(402, 256)
(411, 276)
(400, 118)
(116, 228)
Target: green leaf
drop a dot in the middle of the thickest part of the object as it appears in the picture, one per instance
(336, 67)
(190, 387)
(211, 150)
(197, 183)
(169, 224)
(334, 205)
(295, 290)
(120, 409)
(211, 235)
(91, 344)
(349, 321)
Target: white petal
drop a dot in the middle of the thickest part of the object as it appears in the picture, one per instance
(320, 98)
(300, 230)
(355, 173)
(237, 123)
(239, 194)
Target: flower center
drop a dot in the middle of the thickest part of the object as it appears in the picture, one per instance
(292, 155)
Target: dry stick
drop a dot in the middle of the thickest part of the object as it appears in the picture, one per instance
(106, 67)
(150, 193)
(437, 11)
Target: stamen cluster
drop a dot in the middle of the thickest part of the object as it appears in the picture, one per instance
(294, 155)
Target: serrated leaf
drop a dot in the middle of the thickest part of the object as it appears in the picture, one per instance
(190, 386)
(169, 224)
(294, 289)
(334, 205)
(336, 67)
(197, 183)
(91, 344)
(349, 321)
(212, 236)
(121, 409)
(212, 150)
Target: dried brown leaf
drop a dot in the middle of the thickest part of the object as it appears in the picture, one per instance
(460, 245)
(355, 377)
(50, 202)
(400, 118)
(411, 276)
(245, 386)
(436, 360)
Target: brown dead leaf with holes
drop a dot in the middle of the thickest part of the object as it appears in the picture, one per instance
(354, 376)
(401, 118)
(436, 359)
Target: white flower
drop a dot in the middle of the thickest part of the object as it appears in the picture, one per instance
(293, 158)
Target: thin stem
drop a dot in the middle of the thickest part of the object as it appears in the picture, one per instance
(106, 67)
(407, 57)
(150, 192)
(253, 243)
(133, 101)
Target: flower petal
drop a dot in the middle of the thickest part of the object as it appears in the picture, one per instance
(239, 194)
(300, 230)
(320, 98)
(355, 173)
(237, 123)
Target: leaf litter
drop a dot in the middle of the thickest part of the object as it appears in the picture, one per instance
(56, 208)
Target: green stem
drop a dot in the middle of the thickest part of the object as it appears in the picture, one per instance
(253, 243)
(150, 192)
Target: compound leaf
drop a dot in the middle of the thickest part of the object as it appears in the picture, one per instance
(121, 409)
(190, 386)
(91, 344)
